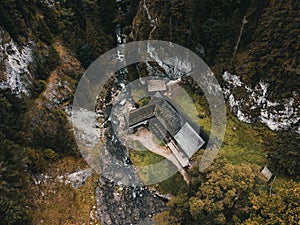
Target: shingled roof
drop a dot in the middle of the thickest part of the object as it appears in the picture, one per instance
(163, 118)
(160, 109)
(141, 114)
(168, 116)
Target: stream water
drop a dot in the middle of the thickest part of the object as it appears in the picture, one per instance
(118, 203)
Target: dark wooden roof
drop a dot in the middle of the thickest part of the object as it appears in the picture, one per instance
(156, 127)
(168, 116)
(163, 118)
(162, 110)
(141, 114)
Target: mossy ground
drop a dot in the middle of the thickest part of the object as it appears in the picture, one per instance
(142, 158)
(59, 203)
(243, 143)
(145, 161)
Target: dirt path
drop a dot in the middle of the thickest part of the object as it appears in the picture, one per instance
(146, 138)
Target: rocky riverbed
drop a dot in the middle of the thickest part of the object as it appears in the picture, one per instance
(119, 204)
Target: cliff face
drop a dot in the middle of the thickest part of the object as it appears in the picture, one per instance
(15, 64)
(251, 46)
(253, 40)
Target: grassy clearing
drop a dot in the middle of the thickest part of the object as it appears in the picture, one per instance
(185, 103)
(138, 94)
(145, 161)
(152, 165)
(144, 158)
(158, 142)
(174, 185)
(137, 146)
(58, 203)
(192, 106)
(242, 142)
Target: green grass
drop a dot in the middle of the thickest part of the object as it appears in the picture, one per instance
(144, 101)
(185, 103)
(138, 94)
(150, 166)
(193, 107)
(173, 185)
(137, 146)
(243, 142)
(144, 158)
(158, 142)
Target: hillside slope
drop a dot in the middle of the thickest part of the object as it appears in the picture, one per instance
(252, 46)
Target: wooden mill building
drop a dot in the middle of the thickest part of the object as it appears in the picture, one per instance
(163, 120)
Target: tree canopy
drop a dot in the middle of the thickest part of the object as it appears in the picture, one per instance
(217, 196)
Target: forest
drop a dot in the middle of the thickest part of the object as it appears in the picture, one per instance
(36, 133)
